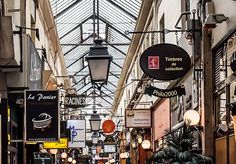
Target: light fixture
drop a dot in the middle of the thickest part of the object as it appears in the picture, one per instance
(63, 155)
(191, 117)
(133, 144)
(139, 138)
(70, 159)
(99, 63)
(146, 144)
(73, 161)
(95, 121)
(95, 138)
(93, 148)
(53, 151)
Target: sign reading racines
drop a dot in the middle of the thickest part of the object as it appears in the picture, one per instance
(75, 101)
(165, 62)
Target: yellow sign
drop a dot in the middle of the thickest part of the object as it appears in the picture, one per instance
(62, 144)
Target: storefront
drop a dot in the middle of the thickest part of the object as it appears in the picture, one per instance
(225, 94)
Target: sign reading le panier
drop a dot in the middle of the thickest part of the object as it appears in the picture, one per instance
(74, 101)
(42, 115)
(138, 118)
(165, 62)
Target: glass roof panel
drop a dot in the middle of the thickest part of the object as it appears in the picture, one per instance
(75, 25)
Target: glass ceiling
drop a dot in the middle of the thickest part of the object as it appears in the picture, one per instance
(75, 22)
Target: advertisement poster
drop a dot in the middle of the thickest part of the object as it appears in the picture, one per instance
(42, 115)
(77, 132)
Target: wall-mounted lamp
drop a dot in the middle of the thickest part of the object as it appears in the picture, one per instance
(191, 117)
(139, 138)
(133, 144)
(64, 155)
(146, 144)
(70, 159)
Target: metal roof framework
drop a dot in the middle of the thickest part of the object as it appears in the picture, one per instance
(78, 23)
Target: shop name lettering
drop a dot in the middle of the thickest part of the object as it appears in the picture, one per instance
(173, 64)
(75, 101)
(40, 97)
(159, 93)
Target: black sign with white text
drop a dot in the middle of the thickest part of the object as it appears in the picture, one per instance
(165, 93)
(165, 62)
(74, 101)
(42, 115)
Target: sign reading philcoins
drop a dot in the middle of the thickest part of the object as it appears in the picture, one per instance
(176, 91)
(42, 115)
(165, 62)
(74, 101)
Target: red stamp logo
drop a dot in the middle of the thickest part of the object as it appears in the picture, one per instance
(153, 62)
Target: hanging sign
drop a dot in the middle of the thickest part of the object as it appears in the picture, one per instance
(42, 115)
(165, 62)
(233, 62)
(74, 101)
(165, 93)
(108, 126)
(137, 118)
(62, 144)
(77, 132)
(40, 158)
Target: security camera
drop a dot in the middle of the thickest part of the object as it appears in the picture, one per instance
(212, 19)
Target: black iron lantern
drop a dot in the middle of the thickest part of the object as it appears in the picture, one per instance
(95, 138)
(95, 121)
(98, 62)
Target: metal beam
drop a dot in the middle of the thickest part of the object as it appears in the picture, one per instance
(66, 9)
(79, 25)
(113, 46)
(117, 65)
(78, 59)
(104, 99)
(121, 8)
(78, 44)
(114, 75)
(109, 25)
(80, 80)
(91, 44)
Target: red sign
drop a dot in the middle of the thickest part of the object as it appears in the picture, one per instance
(153, 62)
(108, 126)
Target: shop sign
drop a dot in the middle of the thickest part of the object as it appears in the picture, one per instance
(138, 118)
(62, 144)
(165, 93)
(40, 158)
(165, 62)
(42, 115)
(77, 133)
(74, 101)
(109, 148)
(108, 126)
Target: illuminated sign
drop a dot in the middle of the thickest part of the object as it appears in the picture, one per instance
(62, 144)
